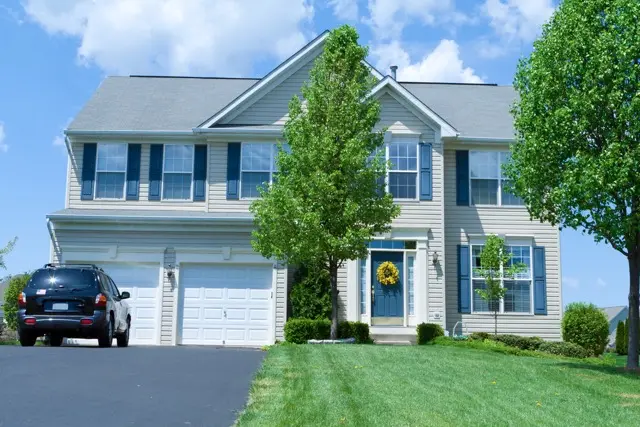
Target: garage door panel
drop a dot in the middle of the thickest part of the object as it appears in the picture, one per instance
(234, 302)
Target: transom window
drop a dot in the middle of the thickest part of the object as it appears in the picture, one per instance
(519, 288)
(111, 171)
(258, 167)
(177, 174)
(488, 183)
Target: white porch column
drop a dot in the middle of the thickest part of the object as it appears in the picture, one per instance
(421, 285)
(353, 291)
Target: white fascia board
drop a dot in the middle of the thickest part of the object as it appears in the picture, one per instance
(480, 139)
(238, 131)
(446, 130)
(146, 219)
(129, 133)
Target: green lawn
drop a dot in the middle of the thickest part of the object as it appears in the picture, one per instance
(325, 385)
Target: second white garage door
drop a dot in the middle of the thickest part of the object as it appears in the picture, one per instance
(141, 281)
(225, 305)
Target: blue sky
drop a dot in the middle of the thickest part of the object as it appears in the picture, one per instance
(56, 52)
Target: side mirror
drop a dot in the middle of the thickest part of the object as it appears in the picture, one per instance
(125, 295)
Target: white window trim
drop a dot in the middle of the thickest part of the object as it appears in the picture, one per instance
(416, 172)
(502, 280)
(126, 166)
(272, 170)
(500, 179)
(164, 150)
(407, 254)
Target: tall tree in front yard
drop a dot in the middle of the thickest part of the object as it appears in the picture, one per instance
(577, 160)
(327, 204)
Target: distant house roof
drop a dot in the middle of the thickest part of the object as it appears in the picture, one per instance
(150, 103)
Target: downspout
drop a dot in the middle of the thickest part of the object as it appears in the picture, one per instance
(54, 243)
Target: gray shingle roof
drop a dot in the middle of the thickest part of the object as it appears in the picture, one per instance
(180, 104)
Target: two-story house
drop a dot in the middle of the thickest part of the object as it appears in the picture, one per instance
(162, 171)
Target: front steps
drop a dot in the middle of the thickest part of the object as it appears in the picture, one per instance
(393, 335)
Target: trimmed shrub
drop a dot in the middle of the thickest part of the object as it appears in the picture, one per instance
(479, 336)
(621, 339)
(11, 293)
(357, 330)
(299, 331)
(310, 296)
(523, 343)
(566, 349)
(587, 326)
(428, 332)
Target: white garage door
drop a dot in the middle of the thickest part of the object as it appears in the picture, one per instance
(141, 281)
(225, 305)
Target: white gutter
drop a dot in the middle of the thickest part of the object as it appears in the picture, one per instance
(140, 133)
(237, 131)
(478, 139)
(144, 218)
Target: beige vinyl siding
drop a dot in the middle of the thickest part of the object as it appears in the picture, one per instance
(172, 243)
(462, 221)
(75, 188)
(342, 293)
(217, 197)
(273, 107)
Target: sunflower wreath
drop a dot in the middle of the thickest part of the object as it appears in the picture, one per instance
(388, 273)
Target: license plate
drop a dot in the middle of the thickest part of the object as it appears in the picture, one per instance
(62, 306)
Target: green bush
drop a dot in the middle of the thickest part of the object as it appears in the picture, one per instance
(480, 336)
(357, 330)
(621, 339)
(567, 349)
(299, 331)
(310, 295)
(11, 293)
(587, 326)
(428, 332)
(523, 343)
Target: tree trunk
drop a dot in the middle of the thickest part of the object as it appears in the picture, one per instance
(634, 306)
(333, 278)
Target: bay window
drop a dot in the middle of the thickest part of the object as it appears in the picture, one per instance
(488, 183)
(111, 170)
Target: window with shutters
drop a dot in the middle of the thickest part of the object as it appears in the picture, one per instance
(111, 170)
(519, 296)
(403, 173)
(489, 186)
(177, 172)
(257, 167)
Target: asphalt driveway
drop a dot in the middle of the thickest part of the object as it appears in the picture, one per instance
(135, 386)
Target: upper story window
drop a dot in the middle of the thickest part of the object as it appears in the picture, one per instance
(403, 174)
(519, 296)
(177, 172)
(488, 183)
(111, 170)
(258, 167)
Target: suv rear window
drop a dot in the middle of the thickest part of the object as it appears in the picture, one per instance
(65, 277)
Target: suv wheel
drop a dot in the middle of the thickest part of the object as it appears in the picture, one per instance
(55, 340)
(123, 339)
(106, 338)
(27, 339)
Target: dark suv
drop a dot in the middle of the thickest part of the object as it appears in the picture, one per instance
(73, 301)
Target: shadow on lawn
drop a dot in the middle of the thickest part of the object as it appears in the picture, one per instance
(611, 370)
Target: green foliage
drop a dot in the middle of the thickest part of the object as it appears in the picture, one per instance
(576, 161)
(427, 332)
(299, 331)
(621, 339)
(310, 295)
(11, 293)
(5, 251)
(523, 343)
(480, 336)
(586, 325)
(566, 349)
(326, 204)
(357, 330)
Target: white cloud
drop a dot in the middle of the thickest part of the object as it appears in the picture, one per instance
(600, 282)
(388, 18)
(177, 36)
(443, 64)
(518, 20)
(3, 146)
(572, 282)
(345, 9)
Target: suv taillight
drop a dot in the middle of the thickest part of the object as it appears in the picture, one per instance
(22, 300)
(101, 300)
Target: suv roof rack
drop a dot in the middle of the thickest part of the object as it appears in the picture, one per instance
(71, 265)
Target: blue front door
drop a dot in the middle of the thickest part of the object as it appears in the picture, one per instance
(387, 300)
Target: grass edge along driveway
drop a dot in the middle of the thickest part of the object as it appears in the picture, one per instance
(374, 385)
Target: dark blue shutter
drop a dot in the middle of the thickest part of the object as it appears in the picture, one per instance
(464, 280)
(155, 171)
(199, 173)
(462, 178)
(133, 171)
(88, 171)
(539, 281)
(233, 170)
(426, 174)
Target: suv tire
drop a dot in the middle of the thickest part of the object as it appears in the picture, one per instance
(27, 339)
(55, 340)
(123, 339)
(106, 337)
